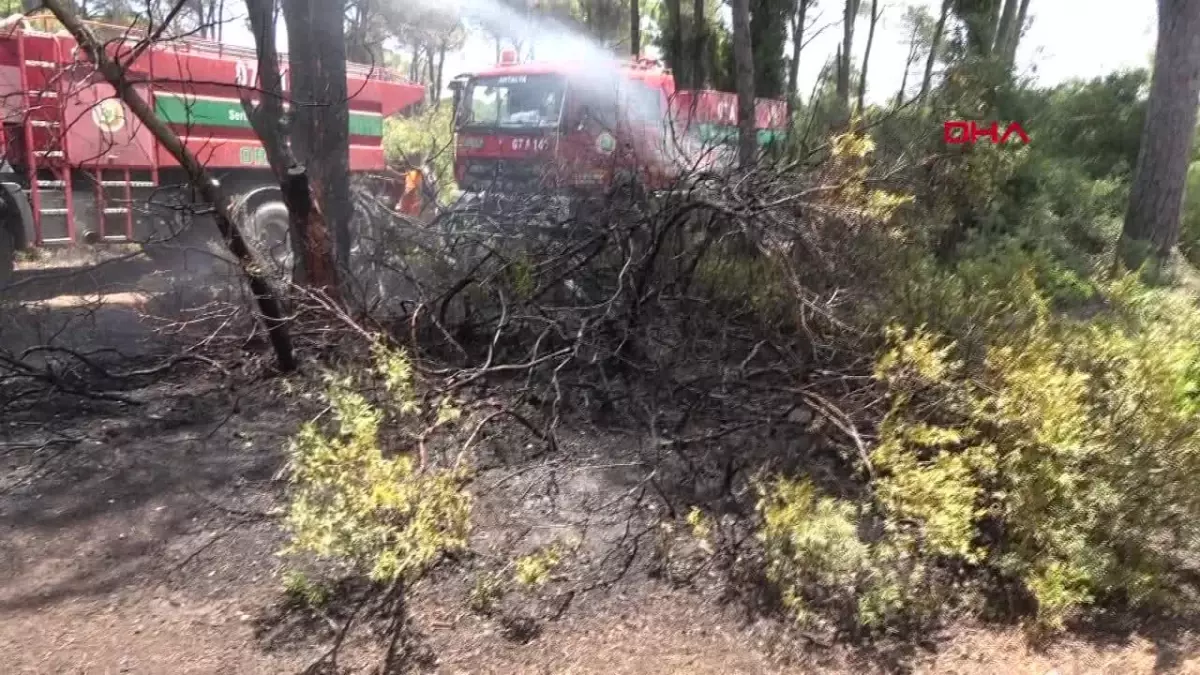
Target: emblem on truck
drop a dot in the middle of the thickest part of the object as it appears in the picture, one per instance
(109, 115)
(605, 143)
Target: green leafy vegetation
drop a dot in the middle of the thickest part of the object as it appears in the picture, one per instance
(428, 137)
(376, 515)
(1041, 432)
(486, 593)
(534, 570)
(304, 591)
(1032, 427)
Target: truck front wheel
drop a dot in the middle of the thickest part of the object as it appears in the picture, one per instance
(269, 232)
(16, 223)
(8, 255)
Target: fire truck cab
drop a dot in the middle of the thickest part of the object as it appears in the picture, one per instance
(585, 127)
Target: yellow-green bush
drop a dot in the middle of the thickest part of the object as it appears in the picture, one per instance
(304, 591)
(825, 569)
(1041, 428)
(1057, 451)
(534, 570)
(809, 541)
(1189, 237)
(377, 515)
(485, 593)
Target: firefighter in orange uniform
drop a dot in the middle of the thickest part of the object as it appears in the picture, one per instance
(411, 202)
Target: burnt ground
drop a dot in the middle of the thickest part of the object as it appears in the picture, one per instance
(142, 537)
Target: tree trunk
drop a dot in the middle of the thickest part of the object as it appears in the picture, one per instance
(981, 20)
(431, 74)
(1008, 19)
(267, 117)
(837, 63)
(908, 62)
(441, 71)
(743, 57)
(310, 240)
(675, 45)
(862, 80)
(269, 122)
(357, 49)
(699, 45)
(797, 46)
(1014, 36)
(320, 127)
(635, 29)
(843, 74)
(268, 303)
(934, 43)
(1156, 196)
(991, 26)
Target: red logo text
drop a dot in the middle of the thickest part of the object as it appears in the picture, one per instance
(969, 133)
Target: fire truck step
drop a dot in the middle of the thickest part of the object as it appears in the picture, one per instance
(44, 123)
(49, 153)
(41, 64)
(117, 209)
(132, 183)
(45, 93)
(54, 212)
(52, 184)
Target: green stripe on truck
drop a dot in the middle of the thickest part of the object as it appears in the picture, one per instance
(716, 133)
(195, 111)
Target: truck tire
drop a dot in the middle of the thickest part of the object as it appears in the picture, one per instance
(16, 228)
(269, 232)
(8, 255)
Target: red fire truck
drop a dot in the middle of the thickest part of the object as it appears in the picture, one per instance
(78, 166)
(585, 127)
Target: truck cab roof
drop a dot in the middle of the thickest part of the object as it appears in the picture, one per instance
(642, 70)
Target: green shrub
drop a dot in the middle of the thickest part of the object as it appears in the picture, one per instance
(1079, 437)
(825, 570)
(810, 544)
(1041, 428)
(750, 281)
(486, 593)
(534, 570)
(702, 529)
(1055, 451)
(376, 515)
(1189, 238)
(304, 591)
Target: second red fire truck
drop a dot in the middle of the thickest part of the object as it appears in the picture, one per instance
(585, 127)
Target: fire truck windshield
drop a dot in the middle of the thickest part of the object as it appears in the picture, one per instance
(514, 101)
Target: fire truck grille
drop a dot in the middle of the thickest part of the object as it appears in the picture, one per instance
(505, 174)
